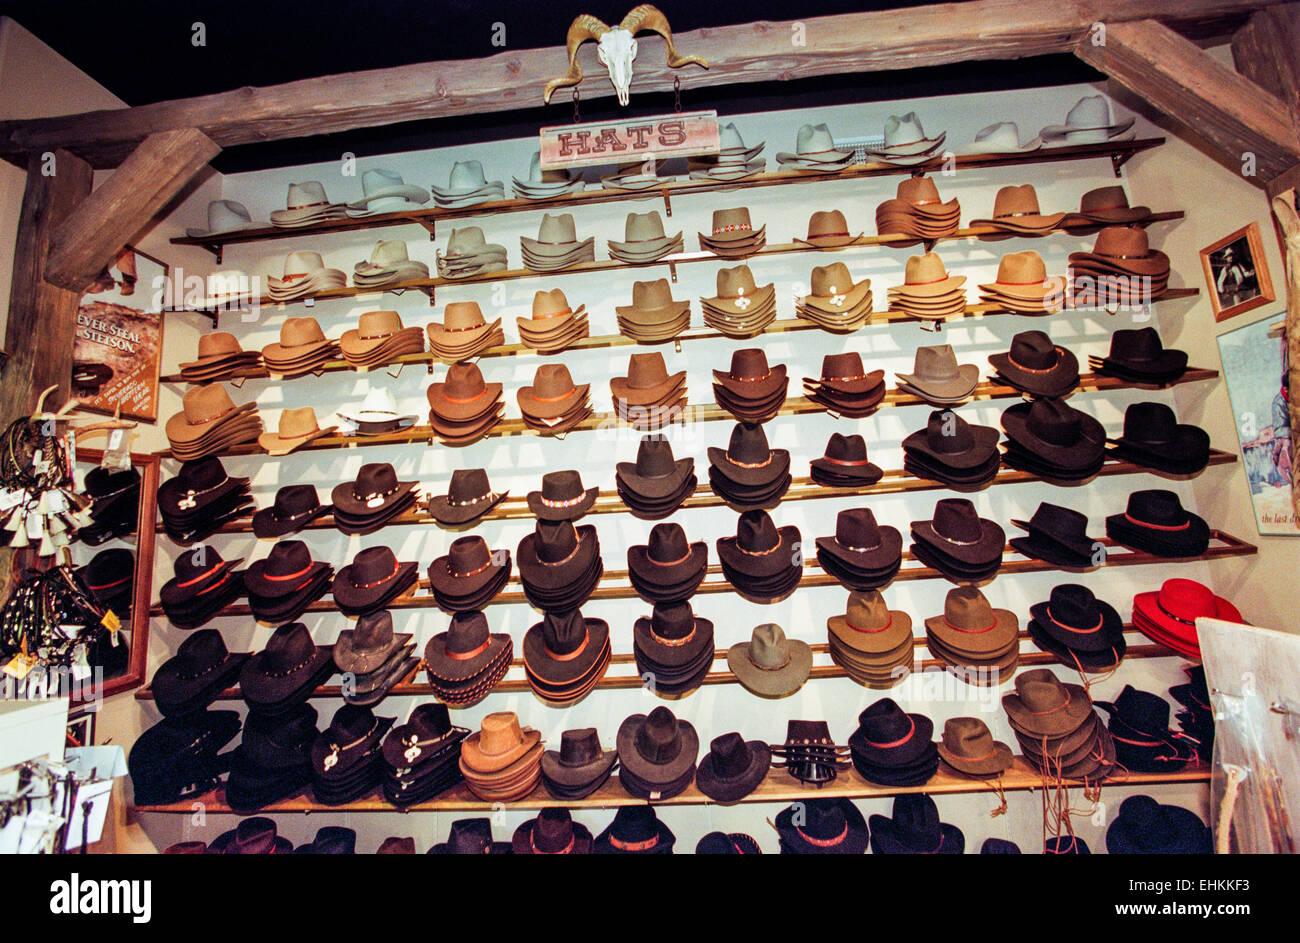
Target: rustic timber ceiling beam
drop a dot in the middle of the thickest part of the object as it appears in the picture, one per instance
(854, 42)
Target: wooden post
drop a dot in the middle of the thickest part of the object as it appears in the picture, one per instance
(1288, 217)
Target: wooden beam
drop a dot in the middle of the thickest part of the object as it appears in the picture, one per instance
(753, 52)
(1174, 75)
(84, 243)
(1265, 50)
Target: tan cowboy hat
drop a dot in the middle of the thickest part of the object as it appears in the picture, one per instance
(204, 410)
(827, 229)
(1015, 208)
(1022, 276)
(647, 382)
(462, 325)
(926, 277)
(970, 626)
(297, 427)
(833, 289)
(869, 626)
(738, 295)
(498, 743)
(300, 339)
(653, 305)
(374, 331)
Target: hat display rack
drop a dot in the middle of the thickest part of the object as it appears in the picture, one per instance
(613, 584)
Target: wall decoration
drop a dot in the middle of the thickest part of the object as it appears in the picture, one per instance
(1254, 366)
(118, 345)
(629, 141)
(1236, 273)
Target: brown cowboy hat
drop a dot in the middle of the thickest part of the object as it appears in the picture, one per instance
(498, 743)
(971, 626)
(464, 395)
(827, 229)
(205, 410)
(297, 428)
(647, 382)
(869, 626)
(1043, 706)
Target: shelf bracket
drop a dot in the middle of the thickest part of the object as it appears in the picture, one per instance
(431, 225)
(1118, 159)
(672, 271)
(668, 204)
(216, 249)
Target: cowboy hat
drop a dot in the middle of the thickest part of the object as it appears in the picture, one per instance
(770, 664)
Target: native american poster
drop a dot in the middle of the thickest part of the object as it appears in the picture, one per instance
(1254, 367)
(118, 346)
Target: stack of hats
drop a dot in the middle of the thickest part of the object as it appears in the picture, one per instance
(220, 358)
(304, 275)
(378, 339)
(388, 265)
(469, 254)
(822, 826)
(636, 830)
(761, 562)
(469, 575)
(1104, 206)
(741, 308)
(1059, 536)
(656, 754)
(673, 647)
(1139, 725)
(938, 379)
(1054, 441)
(281, 587)
(546, 184)
(471, 837)
(1197, 716)
(1122, 268)
(1153, 438)
(871, 642)
(346, 759)
(967, 749)
(733, 768)
(110, 578)
(734, 161)
(420, 759)
(1145, 827)
(815, 152)
(374, 658)
(928, 292)
(637, 175)
(579, 767)
(669, 568)
(893, 748)
(733, 235)
(562, 497)
(961, 545)
(845, 387)
(653, 316)
(656, 484)
(974, 641)
(1169, 615)
(377, 415)
(648, 397)
(553, 404)
(469, 496)
(465, 662)
(1084, 632)
(467, 186)
(551, 832)
(862, 555)
(644, 240)
(1156, 522)
(273, 759)
(1036, 366)
(557, 245)
(953, 452)
(368, 503)
(749, 474)
(559, 565)
(209, 422)
(565, 656)
(553, 325)
(828, 229)
(770, 664)
(464, 408)
(303, 349)
(282, 676)
(905, 142)
(1022, 286)
(114, 503)
(918, 212)
(294, 507)
(913, 828)
(1138, 356)
(464, 333)
(193, 678)
(176, 759)
(727, 843)
(809, 754)
(202, 585)
(834, 302)
(372, 581)
(751, 390)
(501, 761)
(1056, 727)
(1016, 213)
(844, 464)
(305, 205)
(296, 429)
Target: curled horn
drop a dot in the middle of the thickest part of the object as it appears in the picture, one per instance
(583, 28)
(647, 16)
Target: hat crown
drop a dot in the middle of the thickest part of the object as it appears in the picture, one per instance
(275, 734)
(830, 280)
(293, 500)
(672, 620)
(462, 316)
(813, 139)
(1091, 111)
(845, 366)
(468, 555)
(1017, 200)
(255, 836)
(287, 558)
(549, 303)
(645, 371)
(846, 448)
(1140, 344)
(1022, 268)
(379, 179)
(856, 529)
(667, 544)
(748, 444)
(204, 404)
(658, 739)
(905, 129)
(827, 223)
(948, 433)
(1186, 599)
(218, 344)
(1143, 711)
(885, 722)
(192, 565)
(735, 219)
(557, 230)
(1073, 606)
(955, 520)
(468, 485)
(643, 227)
(374, 632)
(654, 457)
(1153, 423)
(1053, 421)
(936, 364)
(1002, 134)
(470, 837)
(1059, 521)
(564, 632)
(729, 137)
(768, 646)
(579, 747)
(968, 737)
(824, 821)
(556, 540)
(389, 252)
(867, 610)
(736, 282)
(289, 647)
(650, 295)
(375, 481)
(756, 533)
(105, 568)
(298, 423)
(552, 831)
(1104, 198)
(634, 824)
(1156, 507)
(430, 721)
(500, 732)
(372, 566)
(918, 190)
(552, 381)
(924, 269)
(731, 755)
(464, 382)
(300, 332)
(1122, 242)
(916, 822)
(379, 400)
(466, 240)
(749, 363)
(302, 263)
(350, 722)
(307, 193)
(225, 214)
(966, 608)
(375, 325)
(467, 632)
(466, 175)
(562, 485)
(1040, 691)
(200, 474)
(200, 651)
(1033, 350)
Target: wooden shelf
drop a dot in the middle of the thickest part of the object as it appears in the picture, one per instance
(1117, 151)
(614, 584)
(794, 406)
(778, 787)
(894, 481)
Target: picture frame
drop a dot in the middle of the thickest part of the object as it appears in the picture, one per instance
(1236, 273)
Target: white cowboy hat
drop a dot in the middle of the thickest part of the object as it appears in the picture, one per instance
(388, 262)
(544, 184)
(1088, 122)
(304, 274)
(383, 191)
(306, 203)
(225, 216)
(378, 406)
(467, 185)
(1000, 138)
(814, 147)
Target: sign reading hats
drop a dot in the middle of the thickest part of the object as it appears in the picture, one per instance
(684, 134)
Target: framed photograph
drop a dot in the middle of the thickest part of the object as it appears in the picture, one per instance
(1236, 273)
(1255, 369)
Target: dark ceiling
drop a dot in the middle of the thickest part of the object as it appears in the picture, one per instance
(143, 51)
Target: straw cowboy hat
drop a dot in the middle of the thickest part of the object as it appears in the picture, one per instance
(827, 229)
(1087, 122)
(1000, 138)
(815, 150)
(304, 274)
(225, 216)
(306, 203)
(384, 191)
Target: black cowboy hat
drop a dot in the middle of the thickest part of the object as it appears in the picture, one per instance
(914, 828)
(655, 474)
(176, 758)
(1057, 534)
(556, 554)
(668, 560)
(1145, 827)
(727, 843)
(732, 768)
(466, 649)
(580, 766)
(110, 577)
(1139, 725)
(197, 574)
(286, 570)
(826, 826)
(1057, 433)
(351, 740)
(286, 671)
(471, 837)
(330, 840)
(748, 460)
(1139, 354)
(957, 531)
(198, 485)
(278, 610)
(889, 737)
(759, 549)
(672, 636)
(468, 572)
(253, 836)
(1035, 365)
(197, 674)
(1078, 620)
(295, 506)
(657, 747)
(861, 543)
(951, 442)
(428, 738)
(564, 647)
(844, 463)
(1153, 438)
(469, 496)
(1156, 522)
(373, 579)
(552, 832)
(562, 497)
(636, 829)
(375, 490)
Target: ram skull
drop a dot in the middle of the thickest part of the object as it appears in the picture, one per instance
(616, 48)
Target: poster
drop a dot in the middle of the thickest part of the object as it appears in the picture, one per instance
(1254, 367)
(118, 346)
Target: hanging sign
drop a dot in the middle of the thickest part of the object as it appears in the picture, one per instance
(629, 141)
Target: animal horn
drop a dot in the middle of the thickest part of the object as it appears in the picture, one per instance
(583, 28)
(647, 16)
